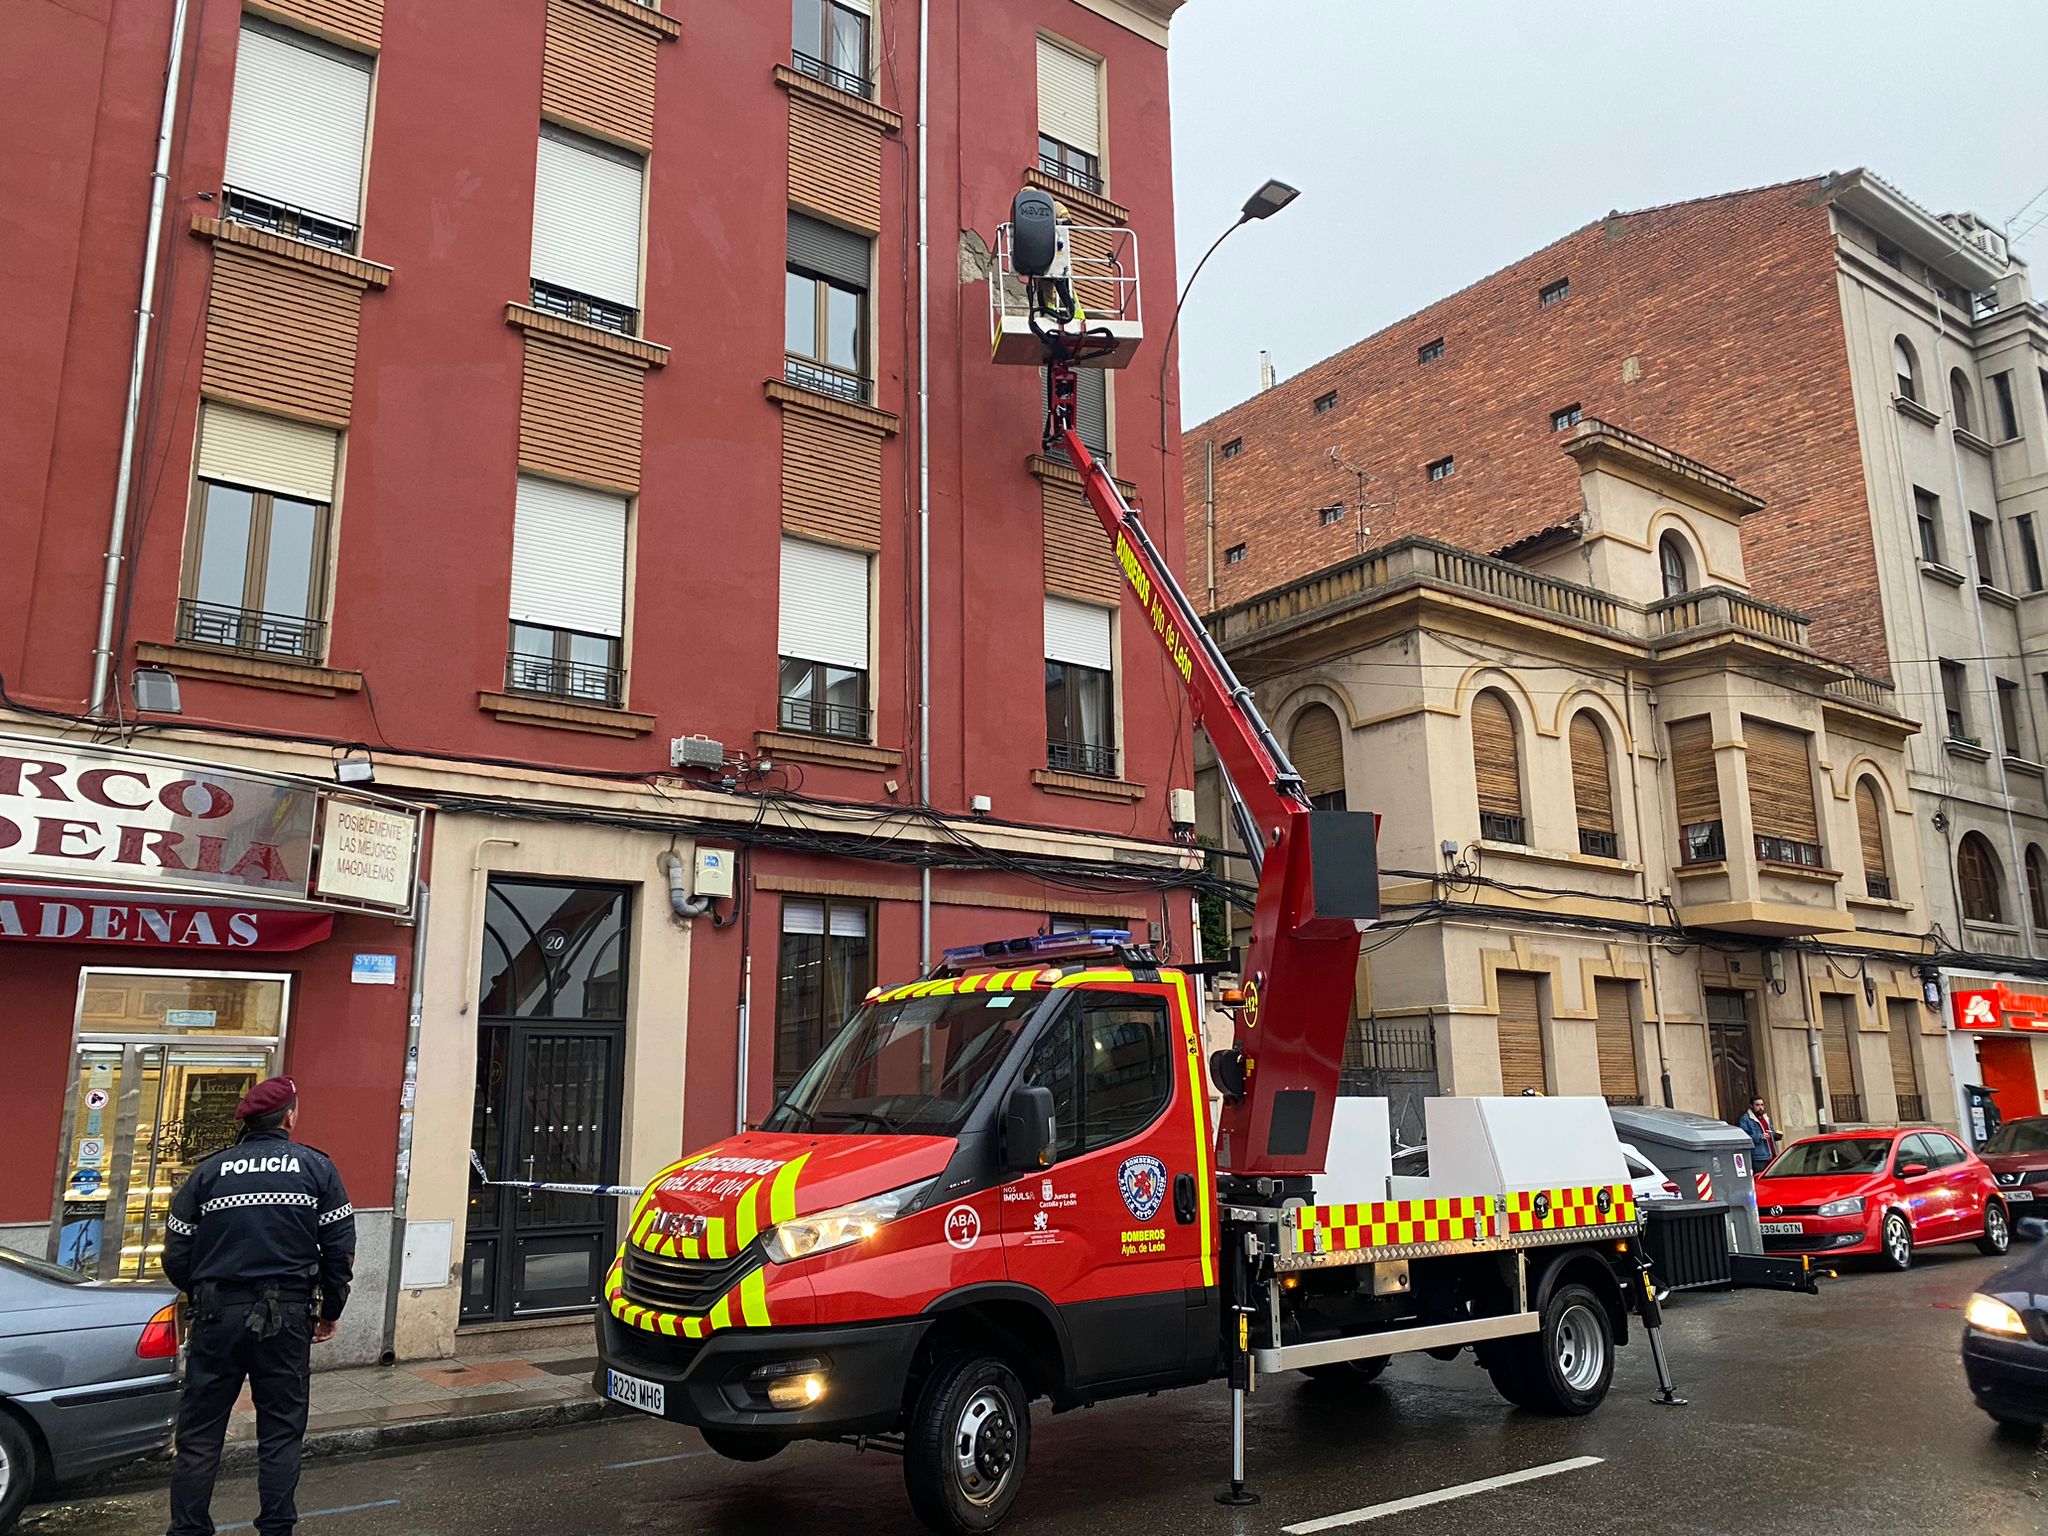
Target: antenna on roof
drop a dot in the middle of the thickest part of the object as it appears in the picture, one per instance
(1268, 374)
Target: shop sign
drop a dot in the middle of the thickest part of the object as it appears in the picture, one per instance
(106, 918)
(1998, 1006)
(367, 854)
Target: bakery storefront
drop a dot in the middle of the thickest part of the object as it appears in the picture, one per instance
(171, 932)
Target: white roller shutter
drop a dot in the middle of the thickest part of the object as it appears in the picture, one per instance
(1076, 633)
(569, 558)
(266, 453)
(300, 114)
(1069, 97)
(824, 614)
(586, 218)
(803, 916)
(849, 922)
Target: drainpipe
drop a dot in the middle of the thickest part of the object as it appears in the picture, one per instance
(680, 902)
(1209, 514)
(924, 470)
(145, 312)
(401, 1182)
(1635, 793)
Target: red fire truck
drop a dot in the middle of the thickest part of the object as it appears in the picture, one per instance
(1000, 1183)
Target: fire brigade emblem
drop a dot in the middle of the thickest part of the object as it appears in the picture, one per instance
(1142, 1182)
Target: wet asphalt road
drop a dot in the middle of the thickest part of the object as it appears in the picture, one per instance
(1844, 1413)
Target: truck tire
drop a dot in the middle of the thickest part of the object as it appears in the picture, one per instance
(1566, 1366)
(738, 1445)
(965, 1446)
(1355, 1373)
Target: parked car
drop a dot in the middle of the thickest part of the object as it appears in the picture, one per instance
(1882, 1192)
(2017, 1155)
(2005, 1342)
(88, 1375)
(1648, 1179)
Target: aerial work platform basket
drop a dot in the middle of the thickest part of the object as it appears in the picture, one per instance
(1097, 277)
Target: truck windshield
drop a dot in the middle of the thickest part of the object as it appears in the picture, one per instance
(912, 1067)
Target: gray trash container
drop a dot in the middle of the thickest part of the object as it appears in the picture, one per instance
(1686, 1145)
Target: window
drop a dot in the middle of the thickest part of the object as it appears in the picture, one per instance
(1069, 116)
(1523, 1064)
(1554, 293)
(1890, 254)
(1959, 401)
(568, 593)
(1927, 519)
(1838, 1057)
(1497, 768)
(1952, 701)
(1430, 351)
(1614, 1040)
(1316, 747)
(2037, 889)
(296, 134)
(1326, 403)
(1570, 416)
(1903, 1021)
(256, 548)
(1905, 369)
(822, 630)
(1234, 555)
(825, 967)
(1109, 1064)
(2013, 739)
(1080, 712)
(1592, 787)
(1980, 546)
(1673, 566)
(825, 296)
(1330, 515)
(1441, 469)
(1696, 791)
(2008, 409)
(1877, 878)
(586, 231)
(1781, 803)
(831, 43)
(1979, 880)
(1233, 448)
(2030, 550)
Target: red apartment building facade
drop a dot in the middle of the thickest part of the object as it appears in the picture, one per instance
(528, 386)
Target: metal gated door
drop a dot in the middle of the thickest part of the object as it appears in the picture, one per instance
(1395, 1060)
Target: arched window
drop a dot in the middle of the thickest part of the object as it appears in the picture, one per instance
(1959, 400)
(1496, 763)
(1978, 875)
(1671, 562)
(1593, 788)
(1877, 875)
(2037, 888)
(1316, 744)
(1906, 365)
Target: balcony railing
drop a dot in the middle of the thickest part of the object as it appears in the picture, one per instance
(249, 631)
(1783, 850)
(1072, 175)
(1701, 843)
(1599, 845)
(824, 379)
(1496, 827)
(1878, 887)
(1624, 1100)
(283, 219)
(1723, 608)
(574, 680)
(1873, 691)
(831, 74)
(1845, 1108)
(1516, 584)
(1097, 762)
(846, 721)
(1911, 1107)
(553, 299)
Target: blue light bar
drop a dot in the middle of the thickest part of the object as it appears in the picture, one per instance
(1038, 946)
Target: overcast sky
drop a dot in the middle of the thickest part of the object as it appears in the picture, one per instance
(1435, 141)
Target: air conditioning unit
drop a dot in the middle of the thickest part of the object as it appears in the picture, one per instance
(695, 752)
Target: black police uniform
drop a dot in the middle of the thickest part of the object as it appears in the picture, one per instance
(262, 1238)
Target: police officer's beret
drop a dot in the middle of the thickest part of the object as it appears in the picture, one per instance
(273, 1093)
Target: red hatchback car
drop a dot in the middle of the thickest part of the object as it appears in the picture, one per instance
(1880, 1192)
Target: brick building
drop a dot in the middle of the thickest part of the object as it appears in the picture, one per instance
(1875, 376)
(529, 383)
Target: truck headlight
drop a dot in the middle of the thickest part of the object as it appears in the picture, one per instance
(826, 1230)
(1993, 1316)
(1853, 1206)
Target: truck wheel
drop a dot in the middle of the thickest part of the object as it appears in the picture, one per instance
(17, 1469)
(738, 1445)
(964, 1451)
(1355, 1373)
(1564, 1368)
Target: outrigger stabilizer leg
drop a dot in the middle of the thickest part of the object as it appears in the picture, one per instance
(1238, 1278)
(1652, 1312)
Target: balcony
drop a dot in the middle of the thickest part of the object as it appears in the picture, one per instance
(242, 207)
(577, 681)
(552, 299)
(1911, 1107)
(1089, 758)
(1495, 827)
(1878, 887)
(823, 379)
(1783, 850)
(1845, 1109)
(250, 632)
(831, 74)
(1718, 610)
(1073, 175)
(1701, 843)
(1599, 845)
(811, 717)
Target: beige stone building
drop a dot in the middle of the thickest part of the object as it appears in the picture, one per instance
(1639, 839)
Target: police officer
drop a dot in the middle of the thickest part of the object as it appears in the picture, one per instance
(262, 1242)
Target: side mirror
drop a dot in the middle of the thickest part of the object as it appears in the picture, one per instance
(1030, 1128)
(1226, 1070)
(1911, 1170)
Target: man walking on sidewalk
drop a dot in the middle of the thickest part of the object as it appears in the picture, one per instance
(262, 1241)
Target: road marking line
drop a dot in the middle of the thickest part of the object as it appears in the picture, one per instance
(652, 1461)
(315, 1514)
(1441, 1496)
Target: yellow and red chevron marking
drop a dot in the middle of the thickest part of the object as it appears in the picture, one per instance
(1578, 1206)
(1391, 1223)
(746, 1304)
(977, 981)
